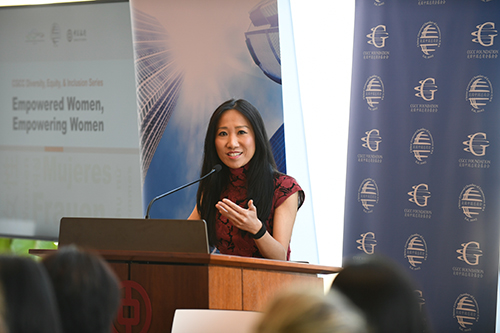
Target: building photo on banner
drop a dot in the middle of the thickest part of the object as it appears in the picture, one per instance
(190, 57)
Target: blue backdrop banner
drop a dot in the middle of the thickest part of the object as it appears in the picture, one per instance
(423, 163)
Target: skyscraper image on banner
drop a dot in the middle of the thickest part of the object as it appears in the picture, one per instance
(158, 82)
(190, 56)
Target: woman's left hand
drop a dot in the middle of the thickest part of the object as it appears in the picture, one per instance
(244, 219)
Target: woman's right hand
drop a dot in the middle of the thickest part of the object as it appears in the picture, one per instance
(241, 218)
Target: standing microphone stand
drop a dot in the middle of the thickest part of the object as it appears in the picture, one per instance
(216, 168)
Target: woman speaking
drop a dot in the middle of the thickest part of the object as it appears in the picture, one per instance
(249, 206)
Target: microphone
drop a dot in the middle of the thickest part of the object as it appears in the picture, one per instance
(215, 169)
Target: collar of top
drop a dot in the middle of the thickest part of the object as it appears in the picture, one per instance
(240, 171)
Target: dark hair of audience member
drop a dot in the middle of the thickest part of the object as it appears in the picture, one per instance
(87, 291)
(310, 311)
(384, 292)
(3, 324)
(30, 305)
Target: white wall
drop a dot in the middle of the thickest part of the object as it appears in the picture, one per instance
(323, 37)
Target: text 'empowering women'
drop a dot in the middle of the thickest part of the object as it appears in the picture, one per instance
(34, 115)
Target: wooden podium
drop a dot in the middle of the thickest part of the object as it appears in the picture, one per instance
(156, 283)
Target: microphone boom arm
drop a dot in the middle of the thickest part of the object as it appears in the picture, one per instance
(214, 170)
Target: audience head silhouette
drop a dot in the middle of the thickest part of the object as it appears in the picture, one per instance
(87, 291)
(384, 292)
(30, 305)
(3, 312)
(311, 311)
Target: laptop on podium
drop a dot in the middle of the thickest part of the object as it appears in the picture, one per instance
(135, 234)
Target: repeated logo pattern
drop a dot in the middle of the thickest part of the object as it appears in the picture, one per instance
(419, 195)
(426, 89)
(368, 195)
(420, 190)
(378, 36)
(485, 34)
(470, 253)
(367, 242)
(421, 145)
(415, 251)
(479, 93)
(421, 299)
(476, 144)
(429, 39)
(373, 92)
(472, 202)
(466, 311)
(372, 140)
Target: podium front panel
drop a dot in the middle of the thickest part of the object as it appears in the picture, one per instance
(259, 286)
(155, 284)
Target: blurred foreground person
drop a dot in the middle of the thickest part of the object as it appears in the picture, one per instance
(310, 311)
(87, 290)
(384, 292)
(30, 305)
(3, 323)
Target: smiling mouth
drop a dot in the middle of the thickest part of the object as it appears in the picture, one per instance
(234, 154)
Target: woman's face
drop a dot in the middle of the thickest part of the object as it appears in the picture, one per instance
(234, 139)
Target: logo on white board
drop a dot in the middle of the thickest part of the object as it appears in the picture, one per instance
(55, 34)
(35, 36)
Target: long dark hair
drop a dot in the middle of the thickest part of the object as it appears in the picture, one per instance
(260, 175)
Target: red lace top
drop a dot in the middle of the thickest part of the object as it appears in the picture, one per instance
(234, 241)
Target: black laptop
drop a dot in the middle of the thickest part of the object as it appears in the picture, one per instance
(184, 236)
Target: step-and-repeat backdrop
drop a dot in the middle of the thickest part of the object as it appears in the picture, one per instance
(423, 163)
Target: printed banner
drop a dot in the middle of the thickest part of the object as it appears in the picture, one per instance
(423, 164)
(68, 122)
(190, 57)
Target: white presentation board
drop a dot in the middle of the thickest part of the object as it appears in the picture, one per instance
(69, 142)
